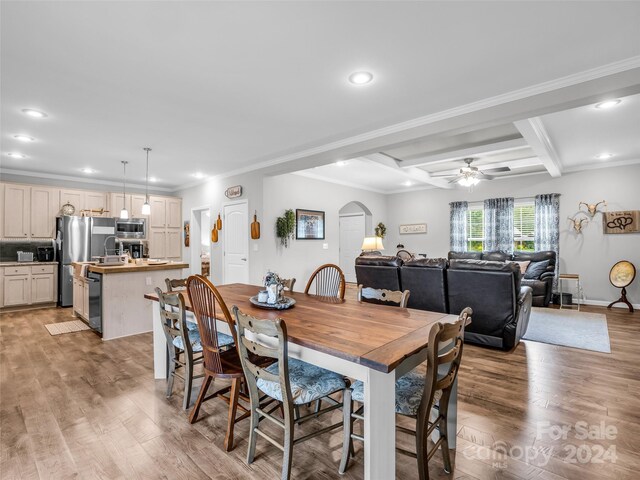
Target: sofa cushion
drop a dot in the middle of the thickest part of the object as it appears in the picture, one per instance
(523, 265)
(535, 269)
(538, 257)
(496, 256)
(539, 287)
(427, 263)
(465, 255)
(379, 260)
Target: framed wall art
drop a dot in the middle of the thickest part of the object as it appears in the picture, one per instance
(413, 228)
(621, 222)
(309, 225)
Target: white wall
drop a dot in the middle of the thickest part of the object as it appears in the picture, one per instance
(590, 254)
(302, 257)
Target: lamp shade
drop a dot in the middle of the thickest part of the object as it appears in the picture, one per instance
(372, 243)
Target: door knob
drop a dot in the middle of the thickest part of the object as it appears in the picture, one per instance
(243, 259)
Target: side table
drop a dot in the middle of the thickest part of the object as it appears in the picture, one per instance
(570, 276)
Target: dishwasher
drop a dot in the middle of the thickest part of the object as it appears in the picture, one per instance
(95, 301)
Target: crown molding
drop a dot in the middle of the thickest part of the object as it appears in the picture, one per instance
(603, 164)
(69, 178)
(344, 183)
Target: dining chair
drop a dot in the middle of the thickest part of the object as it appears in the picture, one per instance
(288, 284)
(221, 358)
(417, 395)
(289, 381)
(383, 296)
(180, 285)
(182, 354)
(328, 281)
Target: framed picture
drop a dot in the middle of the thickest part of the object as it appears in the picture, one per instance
(309, 225)
(413, 228)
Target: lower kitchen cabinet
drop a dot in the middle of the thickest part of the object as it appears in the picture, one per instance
(24, 285)
(81, 297)
(17, 290)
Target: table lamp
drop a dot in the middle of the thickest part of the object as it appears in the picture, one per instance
(372, 243)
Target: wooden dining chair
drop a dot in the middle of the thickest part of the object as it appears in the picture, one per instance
(182, 354)
(289, 381)
(174, 284)
(328, 281)
(288, 284)
(383, 296)
(221, 359)
(417, 395)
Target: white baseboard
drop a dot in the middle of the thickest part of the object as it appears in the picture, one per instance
(604, 303)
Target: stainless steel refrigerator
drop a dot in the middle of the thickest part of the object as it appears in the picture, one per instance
(79, 239)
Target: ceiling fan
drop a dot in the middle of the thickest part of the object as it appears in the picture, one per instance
(471, 175)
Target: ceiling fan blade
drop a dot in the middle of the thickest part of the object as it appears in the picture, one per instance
(484, 176)
(454, 180)
(496, 170)
(446, 175)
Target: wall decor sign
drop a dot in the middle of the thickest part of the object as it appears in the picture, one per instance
(413, 228)
(621, 222)
(309, 225)
(233, 192)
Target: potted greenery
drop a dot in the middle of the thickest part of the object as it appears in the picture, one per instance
(286, 227)
(381, 230)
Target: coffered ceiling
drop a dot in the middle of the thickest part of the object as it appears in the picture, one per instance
(223, 87)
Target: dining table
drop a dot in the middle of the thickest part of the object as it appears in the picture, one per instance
(369, 342)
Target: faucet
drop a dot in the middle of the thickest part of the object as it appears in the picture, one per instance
(115, 240)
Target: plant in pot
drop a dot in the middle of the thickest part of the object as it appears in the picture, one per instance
(381, 230)
(286, 227)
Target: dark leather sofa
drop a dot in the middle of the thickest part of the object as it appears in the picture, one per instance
(540, 279)
(501, 306)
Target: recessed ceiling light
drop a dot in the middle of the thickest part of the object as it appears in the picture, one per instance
(360, 78)
(408, 183)
(153, 179)
(16, 155)
(604, 156)
(341, 163)
(199, 175)
(34, 113)
(24, 138)
(88, 170)
(608, 104)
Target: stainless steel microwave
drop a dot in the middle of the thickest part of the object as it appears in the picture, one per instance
(131, 228)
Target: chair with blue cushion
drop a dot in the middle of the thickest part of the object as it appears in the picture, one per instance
(424, 398)
(182, 355)
(221, 359)
(289, 381)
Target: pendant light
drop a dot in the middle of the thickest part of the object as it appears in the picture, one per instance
(124, 213)
(146, 208)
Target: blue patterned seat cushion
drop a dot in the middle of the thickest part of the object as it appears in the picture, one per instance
(409, 389)
(224, 340)
(308, 382)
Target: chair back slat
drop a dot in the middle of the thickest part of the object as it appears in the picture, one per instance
(276, 330)
(259, 349)
(288, 284)
(207, 303)
(328, 281)
(173, 318)
(382, 295)
(444, 353)
(174, 284)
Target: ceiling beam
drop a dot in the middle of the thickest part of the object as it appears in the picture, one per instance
(532, 129)
(412, 174)
(486, 149)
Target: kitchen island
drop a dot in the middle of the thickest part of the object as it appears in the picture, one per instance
(115, 304)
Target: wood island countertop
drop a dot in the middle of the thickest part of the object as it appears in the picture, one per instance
(132, 267)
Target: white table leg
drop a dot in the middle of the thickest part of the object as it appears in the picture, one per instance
(159, 346)
(380, 426)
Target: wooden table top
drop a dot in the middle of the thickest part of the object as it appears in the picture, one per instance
(377, 336)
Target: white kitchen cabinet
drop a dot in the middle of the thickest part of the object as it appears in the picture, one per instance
(17, 210)
(81, 297)
(118, 201)
(43, 288)
(174, 249)
(157, 242)
(17, 289)
(158, 218)
(165, 227)
(2, 210)
(44, 207)
(174, 213)
(137, 201)
(73, 197)
(95, 201)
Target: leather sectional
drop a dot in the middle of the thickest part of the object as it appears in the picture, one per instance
(501, 305)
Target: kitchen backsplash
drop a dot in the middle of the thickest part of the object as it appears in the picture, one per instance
(9, 248)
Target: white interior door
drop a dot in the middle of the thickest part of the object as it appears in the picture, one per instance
(352, 232)
(235, 227)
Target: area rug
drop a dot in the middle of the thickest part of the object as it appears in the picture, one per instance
(569, 328)
(66, 327)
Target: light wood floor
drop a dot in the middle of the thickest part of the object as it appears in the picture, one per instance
(75, 407)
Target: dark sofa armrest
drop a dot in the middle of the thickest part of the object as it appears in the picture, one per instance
(525, 294)
(515, 330)
(547, 275)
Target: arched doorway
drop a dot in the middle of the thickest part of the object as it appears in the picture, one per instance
(355, 222)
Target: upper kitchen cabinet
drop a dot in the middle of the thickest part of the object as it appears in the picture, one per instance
(44, 208)
(118, 201)
(174, 213)
(17, 210)
(137, 201)
(72, 197)
(95, 201)
(158, 218)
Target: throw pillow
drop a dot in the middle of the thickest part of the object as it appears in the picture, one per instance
(522, 264)
(536, 269)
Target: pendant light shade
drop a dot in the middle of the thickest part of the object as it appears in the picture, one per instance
(124, 213)
(146, 207)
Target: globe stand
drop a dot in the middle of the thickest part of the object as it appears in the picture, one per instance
(622, 299)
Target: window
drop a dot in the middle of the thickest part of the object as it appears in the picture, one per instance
(475, 228)
(524, 224)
